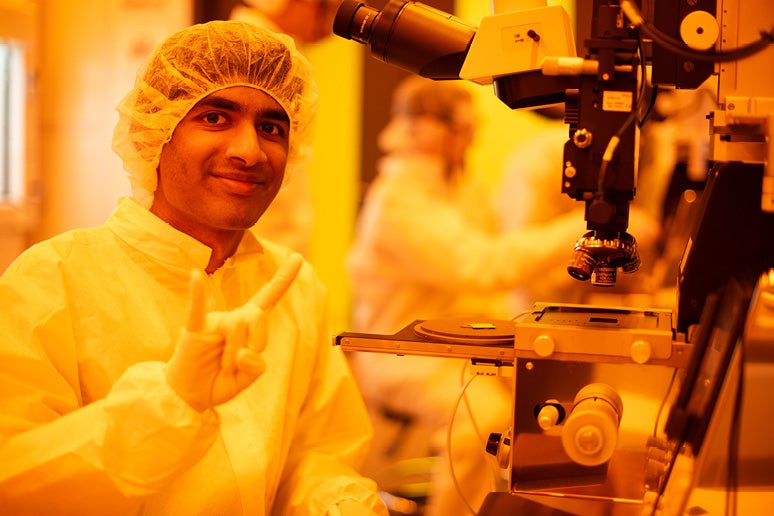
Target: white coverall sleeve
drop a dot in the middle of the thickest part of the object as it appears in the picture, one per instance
(60, 455)
(329, 444)
(434, 244)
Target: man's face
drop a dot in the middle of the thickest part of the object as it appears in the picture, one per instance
(224, 164)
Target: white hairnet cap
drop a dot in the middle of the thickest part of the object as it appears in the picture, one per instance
(195, 62)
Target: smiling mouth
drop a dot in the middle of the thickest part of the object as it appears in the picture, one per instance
(241, 185)
(240, 178)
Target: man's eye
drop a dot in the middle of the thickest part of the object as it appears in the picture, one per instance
(214, 118)
(272, 129)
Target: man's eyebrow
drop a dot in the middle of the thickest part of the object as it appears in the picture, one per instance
(230, 105)
(276, 114)
(218, 102)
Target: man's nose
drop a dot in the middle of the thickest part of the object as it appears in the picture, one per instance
(245, 145)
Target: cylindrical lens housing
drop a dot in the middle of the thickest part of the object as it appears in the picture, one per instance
(582, 265)
(354, 20)
(604, 276)
(410, 35)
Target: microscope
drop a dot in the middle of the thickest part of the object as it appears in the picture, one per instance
(586, 437)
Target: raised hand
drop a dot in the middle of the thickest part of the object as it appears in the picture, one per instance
(219, 353)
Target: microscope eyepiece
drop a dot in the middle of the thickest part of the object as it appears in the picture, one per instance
(354, 20)
(408, 34)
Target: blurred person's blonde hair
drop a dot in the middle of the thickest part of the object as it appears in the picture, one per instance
(419, 106)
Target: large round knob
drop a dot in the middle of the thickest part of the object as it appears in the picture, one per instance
(590, 434)
(544, 345)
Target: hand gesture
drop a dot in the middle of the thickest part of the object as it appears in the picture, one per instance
(219, 353)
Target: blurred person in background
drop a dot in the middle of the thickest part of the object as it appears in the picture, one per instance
(172, 360)
(530, 193)
(427, 246)
(290, 218)
(306, 21)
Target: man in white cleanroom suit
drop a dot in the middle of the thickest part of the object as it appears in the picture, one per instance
(130, 384)
(425, 248)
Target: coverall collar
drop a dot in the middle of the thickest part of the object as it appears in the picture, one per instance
(143, 230)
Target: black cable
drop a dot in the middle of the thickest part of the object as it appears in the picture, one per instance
(666, 41)
(678, 47)
(613, 143)
(609, 151)
(645, 83)
(651, 104)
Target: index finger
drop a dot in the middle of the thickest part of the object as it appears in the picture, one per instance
(197, 306)
(270, 293)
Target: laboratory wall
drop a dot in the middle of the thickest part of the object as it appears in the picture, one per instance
(19, 128)
(80, 56)
(90, 50)
(86, 54)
